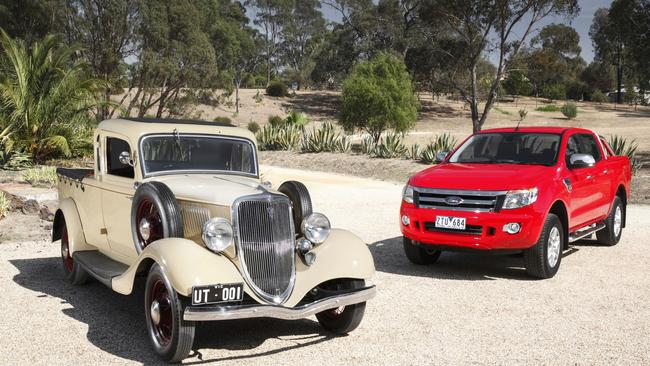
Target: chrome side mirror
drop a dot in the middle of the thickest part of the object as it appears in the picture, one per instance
(581, 161)
(441, 156)
(125, 158)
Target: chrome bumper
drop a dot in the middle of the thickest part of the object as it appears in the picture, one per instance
(228, 312)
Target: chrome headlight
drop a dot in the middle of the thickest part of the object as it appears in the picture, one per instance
(520, 198)
(217, 234)
(407, 194)
(316, 228)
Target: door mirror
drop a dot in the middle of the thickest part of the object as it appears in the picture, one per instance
(125, 158)
(441, 156)
(581, 161)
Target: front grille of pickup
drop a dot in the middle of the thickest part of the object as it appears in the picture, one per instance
(459, 200)
(265, 239)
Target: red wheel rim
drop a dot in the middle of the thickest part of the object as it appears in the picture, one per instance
(164, 328)
(334, 313)
(147, 210)
(68, 263)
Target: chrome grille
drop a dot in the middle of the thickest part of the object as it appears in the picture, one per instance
(194, 217)
(459, 200)
(265, 239)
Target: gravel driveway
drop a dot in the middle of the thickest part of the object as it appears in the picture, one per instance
(467, 309)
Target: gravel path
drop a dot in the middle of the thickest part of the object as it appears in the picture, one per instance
(468, 309)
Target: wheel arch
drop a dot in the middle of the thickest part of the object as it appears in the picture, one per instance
(621, 192)
(558, 208)
(68, 215)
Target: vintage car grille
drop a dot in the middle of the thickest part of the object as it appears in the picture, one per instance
(459, 200)
(265, 239)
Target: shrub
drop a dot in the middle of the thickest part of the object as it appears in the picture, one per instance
(253, 127)
(576, 90)
(15, 161)
(390, 146)
(548, 108)
(296, 118)
(598, 96)
(286, 137)
(325, 139)
(44, 176)
(570, 110)
(224, 120)
(378, 95)
(258, 97)
(367, 145)
(5, 206)
(415, 152)
(276, 121)
(522, 114)
(443, 142)
(624, 147)
(277, 89)
(554, 92)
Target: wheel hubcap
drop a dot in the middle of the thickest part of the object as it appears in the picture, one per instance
(618, 220)
(155, 312)
(554, 243)
(145, 229)
(150, 227)
(161, 313)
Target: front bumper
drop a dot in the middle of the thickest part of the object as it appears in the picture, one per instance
(229, 312)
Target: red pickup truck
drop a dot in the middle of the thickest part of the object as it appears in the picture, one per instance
(532, 190)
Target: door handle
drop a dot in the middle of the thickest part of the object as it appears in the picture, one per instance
(590, 177)
(605, 171)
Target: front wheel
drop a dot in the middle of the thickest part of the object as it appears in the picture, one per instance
(611, 234)
(543, 259)
(419, 255)
(344, 319)
(171, 336)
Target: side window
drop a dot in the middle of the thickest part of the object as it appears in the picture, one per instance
(114, 147)
(583, 144)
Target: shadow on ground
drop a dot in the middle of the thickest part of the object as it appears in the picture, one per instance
(116, 323)
(390, 258)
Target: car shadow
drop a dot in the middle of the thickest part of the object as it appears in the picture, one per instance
(467, 266)
(116, 322)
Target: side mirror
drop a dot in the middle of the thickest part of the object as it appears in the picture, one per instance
(125, 158)
(581, 161)
(441, 156)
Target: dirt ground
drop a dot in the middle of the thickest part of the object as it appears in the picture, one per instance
(467, 309)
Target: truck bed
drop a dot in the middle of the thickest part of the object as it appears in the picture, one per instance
(77, 174)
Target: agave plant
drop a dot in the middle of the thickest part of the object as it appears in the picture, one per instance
(622, 146)
(296, 118)
(325, 139)
(391, 146)
(45, 99)
(443, 142)
(286, 137)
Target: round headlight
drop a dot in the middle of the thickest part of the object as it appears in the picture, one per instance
(316, 228)
(217, 234)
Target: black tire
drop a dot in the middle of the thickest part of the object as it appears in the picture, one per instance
(536, 258)
(419, 255)
(166, 221)
(173, 341)
(346, 319)
(609, 235)
(74, 273)
(300, 200)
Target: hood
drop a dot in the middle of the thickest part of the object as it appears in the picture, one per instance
(215, 189)
(488, 177)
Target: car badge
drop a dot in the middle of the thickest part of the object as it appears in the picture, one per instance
(453, 201)
(270, 210)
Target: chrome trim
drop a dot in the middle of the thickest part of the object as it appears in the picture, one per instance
(229, 312)
(194, 217)
(264, 197)
(456, 192)
(462, 201)
(452, 208)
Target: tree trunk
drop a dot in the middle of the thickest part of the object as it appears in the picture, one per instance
(619, 76)
(237, 97)
(473, 105)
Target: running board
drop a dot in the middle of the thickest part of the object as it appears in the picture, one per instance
(585, 232)
(101, 267)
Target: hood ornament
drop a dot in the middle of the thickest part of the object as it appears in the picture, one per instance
(453, 200)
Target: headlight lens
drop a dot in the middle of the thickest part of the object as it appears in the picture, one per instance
(217, 234)
(520, 198)
(316, 228)
(407, 194)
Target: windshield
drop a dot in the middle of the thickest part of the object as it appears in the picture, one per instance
(193, 153)
(509, 148)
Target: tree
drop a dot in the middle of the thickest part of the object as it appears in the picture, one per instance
(270, 16)
(378, 95)
(516, 83)
(29, 20)
(599, 76)
(473, 27)
(46, 98)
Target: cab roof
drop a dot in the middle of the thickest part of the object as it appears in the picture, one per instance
(538, 129)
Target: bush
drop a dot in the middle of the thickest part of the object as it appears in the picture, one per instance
(522, 114)
(276, 121)
(258, 97)
(296, 118)
(577, 90)
(277, 89)
(325, 139)
(5, 206)
(621, 146)
(570, 110)
(15, 161)
(443, 142)
(554, 92)
(415, 152)
(253, 127)
(286, 137)
(378, 95)
(548, 108)
(224, 120)
(598, 96)
(388, 147)
(44, 176)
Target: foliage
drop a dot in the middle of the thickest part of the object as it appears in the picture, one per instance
(5, 205)
(548, 108)
(258, 97)
(46, 99)
(378, 95)
(554, 92)
(296, 118)
(44, 176)
(285, 137)
(441, 143)
(325, 139)
(15, 160)
(624, 147)
(276, 121)
(598, 96)
(632, 97)
(415, 152)
(277, 89)
(523, 113)
(224, 120)
(390, 146)
(570, 110)
(253, 127)
(517, 83)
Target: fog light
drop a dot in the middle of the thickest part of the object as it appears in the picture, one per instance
(405, 220)
(303, 246)
(310, 258)
(512, 228)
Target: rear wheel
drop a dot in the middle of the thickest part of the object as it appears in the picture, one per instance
(543, 259)
(73, 272)
(611, 234)
(344, 319)
(419, 255)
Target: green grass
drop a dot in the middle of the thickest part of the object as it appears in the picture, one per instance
(44, 176)
(549, 108)
(502, 111)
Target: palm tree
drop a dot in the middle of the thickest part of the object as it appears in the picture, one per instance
(45, 98)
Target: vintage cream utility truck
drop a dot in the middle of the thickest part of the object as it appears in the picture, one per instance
(182, 203)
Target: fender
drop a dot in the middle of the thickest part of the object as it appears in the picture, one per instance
(76, 239)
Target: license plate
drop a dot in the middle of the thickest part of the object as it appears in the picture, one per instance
(448, 222)
(232, 292)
